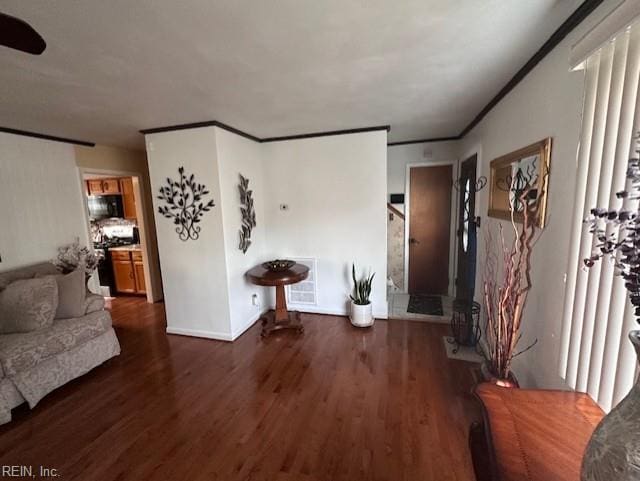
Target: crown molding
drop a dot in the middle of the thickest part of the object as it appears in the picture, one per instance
(37, 135)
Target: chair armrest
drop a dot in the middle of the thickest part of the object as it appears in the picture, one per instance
(93, 303)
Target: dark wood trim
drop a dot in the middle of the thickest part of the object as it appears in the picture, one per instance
(215, 123)
(395, 211)
(424, 141)
(328, 133)
(575, 19)
(197, 125)
(37, 135)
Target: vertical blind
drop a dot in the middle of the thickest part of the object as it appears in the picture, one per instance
(596, 355)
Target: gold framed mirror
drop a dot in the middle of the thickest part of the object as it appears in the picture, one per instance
(514, 173)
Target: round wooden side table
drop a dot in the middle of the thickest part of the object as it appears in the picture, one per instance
(281, 318)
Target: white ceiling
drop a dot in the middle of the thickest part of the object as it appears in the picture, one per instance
(269, 68)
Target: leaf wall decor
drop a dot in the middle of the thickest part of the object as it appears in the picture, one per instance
(248, 214)
(185, 204)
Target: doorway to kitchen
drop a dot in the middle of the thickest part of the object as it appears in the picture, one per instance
(115, 216)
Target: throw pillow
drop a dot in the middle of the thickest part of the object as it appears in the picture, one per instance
(28, 305)
(72, 292)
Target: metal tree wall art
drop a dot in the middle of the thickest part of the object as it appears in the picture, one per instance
(248, 214)
(184, 204)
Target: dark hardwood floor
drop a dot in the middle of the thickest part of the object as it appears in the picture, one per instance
(336, 403)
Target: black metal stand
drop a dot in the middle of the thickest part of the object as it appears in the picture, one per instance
(465, 324)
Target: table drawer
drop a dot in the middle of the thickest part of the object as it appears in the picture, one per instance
(136, 255)
(120, 255)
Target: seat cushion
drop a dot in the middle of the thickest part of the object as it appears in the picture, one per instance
(28, 304)
(19, 352)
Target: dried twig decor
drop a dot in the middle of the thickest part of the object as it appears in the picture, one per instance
(248, 214)
(184, 204)
(507, 282)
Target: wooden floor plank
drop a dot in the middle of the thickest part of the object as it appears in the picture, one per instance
(336, 403)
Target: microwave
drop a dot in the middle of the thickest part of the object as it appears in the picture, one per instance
(105, 206)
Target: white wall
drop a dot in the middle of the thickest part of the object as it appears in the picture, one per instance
(399, 156)
(41, 202)
(547, 103)
(193, 272)
(335, 188)
(237, 155)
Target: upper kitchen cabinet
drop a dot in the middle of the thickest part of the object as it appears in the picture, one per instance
(94, 187)
(110, 186)
(128, 198)
(103, 186)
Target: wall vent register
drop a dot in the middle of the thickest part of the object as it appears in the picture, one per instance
(304, 292)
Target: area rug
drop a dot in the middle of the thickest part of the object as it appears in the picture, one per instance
(422, 304)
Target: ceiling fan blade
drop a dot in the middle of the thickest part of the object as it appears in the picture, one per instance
(19, 35)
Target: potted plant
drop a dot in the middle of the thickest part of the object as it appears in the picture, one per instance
(361, 313)
(507, 282)
(612, 453)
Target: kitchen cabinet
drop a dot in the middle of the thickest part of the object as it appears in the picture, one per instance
(128, 271)
(94, 187)
(128, 198)
(110, 186)
(124, 276)
(103, 186)
(138, 271)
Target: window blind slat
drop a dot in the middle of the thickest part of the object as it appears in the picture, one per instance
(596, 353)
(595, 158)
(582, 168)
(618, 131)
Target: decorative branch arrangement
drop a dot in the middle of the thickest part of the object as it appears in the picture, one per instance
(248, 214)
(74, 256)
(617, 233)
(184, 204)
(505, 292)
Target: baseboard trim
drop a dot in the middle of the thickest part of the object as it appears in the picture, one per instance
(218, 336)
(246, 326)
(332, 312)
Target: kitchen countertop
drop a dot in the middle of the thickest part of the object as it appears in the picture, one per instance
(132, 247)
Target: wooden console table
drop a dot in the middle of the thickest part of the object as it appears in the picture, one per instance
(281, 318)
(530, 434)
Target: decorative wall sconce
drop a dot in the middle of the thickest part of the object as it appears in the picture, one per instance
(248, 214)
(184, 204)
(480, 184)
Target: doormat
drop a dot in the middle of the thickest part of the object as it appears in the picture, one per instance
(429, 305)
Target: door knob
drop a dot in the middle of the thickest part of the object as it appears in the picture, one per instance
(413, 241)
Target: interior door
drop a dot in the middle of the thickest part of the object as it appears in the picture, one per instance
(429, 229)
(466, 231)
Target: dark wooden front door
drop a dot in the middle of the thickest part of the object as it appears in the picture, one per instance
(466, 231)
(429, 226)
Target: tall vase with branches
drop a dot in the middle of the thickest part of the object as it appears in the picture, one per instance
(507, 283)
